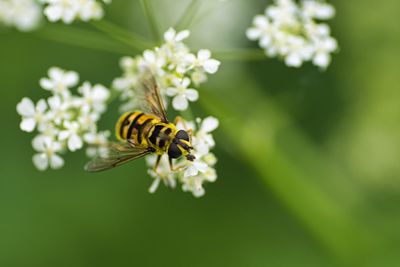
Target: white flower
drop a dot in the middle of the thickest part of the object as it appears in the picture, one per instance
(71, 134)
(65, 121)
(47, 155)
(318, 10)
(98, 143)
(94, 97)
(172, 63)
(289, 30)
(90, 9)
(61, 10)
(25, 15)
(172, 37)
(59, 81)
(59, 109)
(70, 10)
(181, 93)
(31, 115)
(203, 140)
(204, 61)
(163, 173)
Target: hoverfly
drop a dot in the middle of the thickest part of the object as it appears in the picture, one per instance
(144, 132)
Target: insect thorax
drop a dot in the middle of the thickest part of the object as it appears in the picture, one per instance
(160, 136)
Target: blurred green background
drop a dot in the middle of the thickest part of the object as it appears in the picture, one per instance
(308, 160)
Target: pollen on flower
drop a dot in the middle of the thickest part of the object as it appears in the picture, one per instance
(291, 31)
(64, 121)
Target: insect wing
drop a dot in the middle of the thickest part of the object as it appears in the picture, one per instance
(149, 95)
(116, 155)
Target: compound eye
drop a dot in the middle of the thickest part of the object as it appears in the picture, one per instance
(174, 151)
(181, 134)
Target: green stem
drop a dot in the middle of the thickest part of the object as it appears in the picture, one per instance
(81, 38)
(240, 54)
(149, 12)
(188, 15)
(291, 167)
(124, 36)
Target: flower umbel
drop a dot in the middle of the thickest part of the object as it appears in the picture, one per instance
(69, 10)
(177, 70)
(25, 15)
(64, 121)
(291, 31)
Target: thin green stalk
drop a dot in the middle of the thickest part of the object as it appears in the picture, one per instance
(188, 15)
(240, 54)
(291, 167)
(81, 38)
(124, 36)
(149, 12)
(207, 12)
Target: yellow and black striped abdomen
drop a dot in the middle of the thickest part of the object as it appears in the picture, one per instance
(135, 126)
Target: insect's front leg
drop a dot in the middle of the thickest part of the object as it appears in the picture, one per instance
(171, 166)
(156, 166)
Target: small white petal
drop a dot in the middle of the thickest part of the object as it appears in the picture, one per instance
(209, 124)
(56, 161)
(190, 171)
(211, 66)
(41, 105)
(293, 60)
(191, 94)
(71, 78)
(38, 143)
(169, 34)
(185, 82)
(265, 41)
(75, 142)
(260, 21)
(322, 60)
(46, 84)
(180, 102)
(253, 33)
(63, 135)
(53, 13)
(201, 166)
(26, 107)
(182, 35)
(28, 124)
(171, 91)
(40, 161)
(154, 185)
(204, 54)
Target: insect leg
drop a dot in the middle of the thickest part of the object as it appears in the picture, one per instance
(171, 164)
(157, 163)
(172, 167)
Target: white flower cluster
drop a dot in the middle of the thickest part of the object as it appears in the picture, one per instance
(25, 15)
(191, 174)
(64, 121)
(70, 10)
(177, 71)
(291, 31)
(176, 68)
